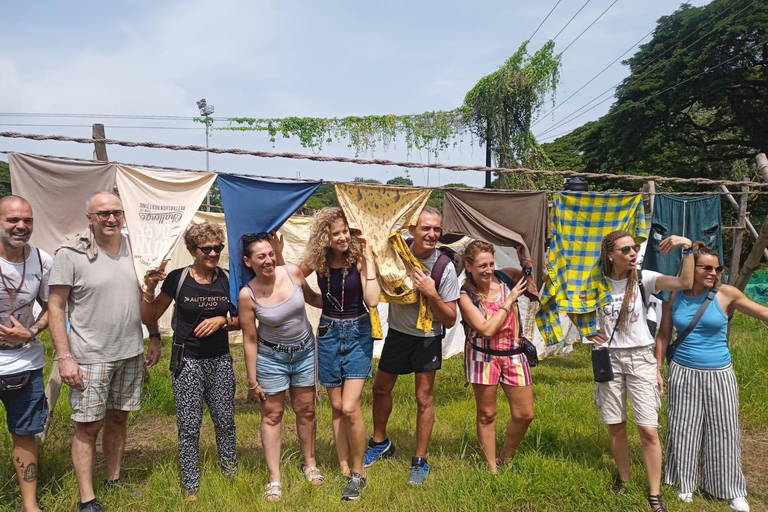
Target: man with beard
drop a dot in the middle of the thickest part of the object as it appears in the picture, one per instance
(101, 359)
(408, 349)
(24, 271)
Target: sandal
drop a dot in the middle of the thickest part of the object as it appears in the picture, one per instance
(273, 491)
(619, 485)
(502, 462)
(656, 504)
(313, 474)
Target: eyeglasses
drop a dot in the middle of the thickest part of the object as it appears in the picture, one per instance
(207, 249)
(627, 248)
(106, 214)
(709, 268)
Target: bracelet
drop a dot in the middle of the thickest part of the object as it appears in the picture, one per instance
(155, 335)
(688, 251)
(370, 278)
(505, 308)
(65, 356)
(144, 298)
(661, 368)
(31, 334)
(257, 386)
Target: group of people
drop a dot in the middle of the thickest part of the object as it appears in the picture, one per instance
(101, 356)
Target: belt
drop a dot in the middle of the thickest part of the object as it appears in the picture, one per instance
(288, 349)
(493, 352)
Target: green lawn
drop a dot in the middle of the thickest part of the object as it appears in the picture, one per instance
(563, 463)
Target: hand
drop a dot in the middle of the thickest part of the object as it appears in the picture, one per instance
(70, 373)
(367, 252)
(276, 242)
(257, 394)
(660, 382)
(673, 241)
(153, 352)
(209, 326)
(423, 283)
(16, 333)
(599, 339)
(518, 290)
(151, 278)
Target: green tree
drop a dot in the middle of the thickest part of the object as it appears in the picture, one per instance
(369, 181)
(325, 195)
(5, 179)
(400, 180)
(436, 198)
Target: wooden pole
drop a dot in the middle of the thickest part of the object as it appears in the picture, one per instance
(762, 164)
(488, 155)
(753, 260)
(738, 235)
(649, 196)
(99, 149)
(747, 223)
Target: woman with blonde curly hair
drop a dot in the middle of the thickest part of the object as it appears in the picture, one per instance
(625, 333)
(346, 275)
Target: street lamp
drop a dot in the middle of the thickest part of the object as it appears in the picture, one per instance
(206, 110)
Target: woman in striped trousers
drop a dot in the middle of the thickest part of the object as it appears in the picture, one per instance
(703, 439)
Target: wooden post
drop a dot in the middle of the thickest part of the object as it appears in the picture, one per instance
(488, 155)
(100, 149)
(753, 260)
(738, 235)
(762, 164)
(747, 223)
(649, 196)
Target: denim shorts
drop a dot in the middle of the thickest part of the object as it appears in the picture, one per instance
(344, 349)
(277, 371)
(27, 408)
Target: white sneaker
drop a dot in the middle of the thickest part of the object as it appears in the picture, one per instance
(739, 504)
(686, 497)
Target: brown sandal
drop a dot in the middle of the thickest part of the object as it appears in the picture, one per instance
(656, 504)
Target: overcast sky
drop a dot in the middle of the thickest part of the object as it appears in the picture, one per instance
(292, 58)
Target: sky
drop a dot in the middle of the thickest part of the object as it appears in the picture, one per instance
(305, 58)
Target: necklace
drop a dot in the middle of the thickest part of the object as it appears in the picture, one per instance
(336, 304)
(7, 282)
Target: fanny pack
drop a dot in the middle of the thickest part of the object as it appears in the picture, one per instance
(14, 382)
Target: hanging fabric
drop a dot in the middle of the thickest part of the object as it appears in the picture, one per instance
(251, 206)
(158, 207)
(57, 190)
(510, 219)
(575, 282)
(381, 213)
(694, 217)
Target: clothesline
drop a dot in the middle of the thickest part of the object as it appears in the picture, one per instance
(332, 182)
(377, 161)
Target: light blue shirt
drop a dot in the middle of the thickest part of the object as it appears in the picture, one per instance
(707, 345)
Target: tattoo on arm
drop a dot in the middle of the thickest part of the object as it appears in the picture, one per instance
(37, 327)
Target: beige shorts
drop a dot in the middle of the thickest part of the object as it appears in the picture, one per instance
(115, 385)
(634, 372)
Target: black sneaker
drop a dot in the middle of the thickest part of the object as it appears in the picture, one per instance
(122, 486)
(355, 484)
(91, 506)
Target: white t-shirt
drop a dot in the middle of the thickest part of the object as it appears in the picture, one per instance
(638, 334)
(403, 317)
(27, 356)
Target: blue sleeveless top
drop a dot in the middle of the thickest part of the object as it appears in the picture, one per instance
(707, 345)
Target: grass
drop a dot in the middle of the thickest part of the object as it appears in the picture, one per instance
(563, 464)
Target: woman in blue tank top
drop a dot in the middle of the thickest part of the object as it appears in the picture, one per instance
(280, 354)
(346, 275)
(703, 438)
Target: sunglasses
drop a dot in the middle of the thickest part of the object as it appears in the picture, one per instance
(209, 248)
(709, 268)
(627, 248)
(106, 214)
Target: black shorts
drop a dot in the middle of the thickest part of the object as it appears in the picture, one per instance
(403, 353)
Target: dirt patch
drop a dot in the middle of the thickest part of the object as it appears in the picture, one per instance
(754, 461)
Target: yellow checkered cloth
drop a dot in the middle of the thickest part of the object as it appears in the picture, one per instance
(575, 282)
(381, 212)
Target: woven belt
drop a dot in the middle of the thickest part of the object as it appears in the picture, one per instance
(288, 349)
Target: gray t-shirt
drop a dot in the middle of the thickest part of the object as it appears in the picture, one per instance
(25, 356)
(104, 304)
(403, 317)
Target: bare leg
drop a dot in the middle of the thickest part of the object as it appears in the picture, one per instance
(113, 441)
(352, 412)
(651, 447)
(425, 412)
(339, 429)
(83, 450)
(620, 448)
(25, 462)
(485, 399)
(383, 384)
(271, 421)
(520, 400)
(303, 404)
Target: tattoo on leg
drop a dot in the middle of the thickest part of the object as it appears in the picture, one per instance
(30, 472)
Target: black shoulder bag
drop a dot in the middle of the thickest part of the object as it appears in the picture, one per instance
(695, 320)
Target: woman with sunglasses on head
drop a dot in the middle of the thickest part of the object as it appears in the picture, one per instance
(203, 371)
(703, 397)
(625, 333)
(346, 275)
(280, 353)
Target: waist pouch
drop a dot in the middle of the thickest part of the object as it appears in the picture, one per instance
(14, 382)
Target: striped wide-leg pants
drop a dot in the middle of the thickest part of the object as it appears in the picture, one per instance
(703, 435)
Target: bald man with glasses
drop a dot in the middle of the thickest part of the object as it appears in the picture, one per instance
(102, 358)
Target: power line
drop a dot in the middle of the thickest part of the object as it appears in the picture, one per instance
(649, 67)
(569, 21)
(545, 19)
(590, 26)
(106, 126)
